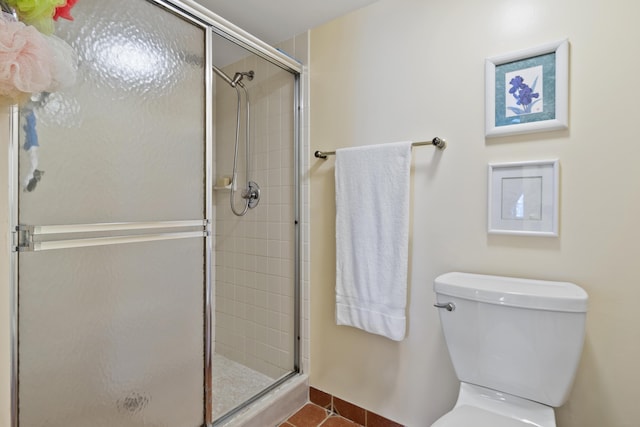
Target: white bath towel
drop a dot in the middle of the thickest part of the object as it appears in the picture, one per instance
(372, 237)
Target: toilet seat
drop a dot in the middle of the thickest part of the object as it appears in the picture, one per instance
(469, 416)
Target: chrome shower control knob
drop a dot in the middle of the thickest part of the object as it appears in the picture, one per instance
(252, 194)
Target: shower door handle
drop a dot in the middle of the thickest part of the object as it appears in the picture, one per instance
(102, 234)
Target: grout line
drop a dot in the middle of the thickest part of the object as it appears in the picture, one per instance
(366, 412)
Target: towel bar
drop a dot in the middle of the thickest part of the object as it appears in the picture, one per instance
(437, 142)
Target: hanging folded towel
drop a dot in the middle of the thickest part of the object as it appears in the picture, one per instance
(372, 237)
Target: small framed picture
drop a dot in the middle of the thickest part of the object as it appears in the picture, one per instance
(523, 198)
(527, 91)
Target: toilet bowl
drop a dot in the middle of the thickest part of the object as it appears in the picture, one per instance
(515, 345)
(482, 407)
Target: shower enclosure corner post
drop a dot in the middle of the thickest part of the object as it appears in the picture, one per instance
(298, 200)
(209, 303)
(13, 269)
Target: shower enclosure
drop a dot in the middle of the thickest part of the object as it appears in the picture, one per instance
(139, 297)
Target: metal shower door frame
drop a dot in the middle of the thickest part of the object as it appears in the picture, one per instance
(211, 23)
(23, 236)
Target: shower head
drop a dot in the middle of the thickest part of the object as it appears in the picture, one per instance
(237, 78)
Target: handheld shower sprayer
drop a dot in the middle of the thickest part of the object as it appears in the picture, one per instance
(251, 193)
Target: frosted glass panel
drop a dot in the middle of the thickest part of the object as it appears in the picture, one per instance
(126, 142)
(112, 336)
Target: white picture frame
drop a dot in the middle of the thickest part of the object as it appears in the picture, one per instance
(528, 90)
(523, 198)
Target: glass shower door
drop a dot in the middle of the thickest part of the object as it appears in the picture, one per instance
(113, 235)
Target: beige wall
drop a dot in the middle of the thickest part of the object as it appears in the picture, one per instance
(414, 69)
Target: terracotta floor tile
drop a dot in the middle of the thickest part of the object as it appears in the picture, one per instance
(375, 420)
(320, 398)
(309, 416)
(348, 410)
(285, 424)
(336, 421)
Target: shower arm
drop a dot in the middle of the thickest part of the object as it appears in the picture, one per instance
(223, 76)
(237, 78)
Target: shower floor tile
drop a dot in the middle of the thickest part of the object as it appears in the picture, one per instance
(234, 383)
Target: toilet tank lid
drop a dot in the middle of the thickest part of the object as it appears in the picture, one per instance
(515, 292)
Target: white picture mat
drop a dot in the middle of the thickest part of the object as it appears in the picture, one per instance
(523, 198)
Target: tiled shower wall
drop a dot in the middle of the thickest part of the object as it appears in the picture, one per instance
(254, 254)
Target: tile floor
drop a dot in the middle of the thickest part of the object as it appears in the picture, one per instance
(325, 410)
(312, 415)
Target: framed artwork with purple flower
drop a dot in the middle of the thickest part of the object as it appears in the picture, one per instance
(528, 91)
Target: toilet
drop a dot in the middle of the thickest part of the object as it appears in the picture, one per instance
(515, 345)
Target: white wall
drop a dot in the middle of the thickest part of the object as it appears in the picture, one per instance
(414, 69)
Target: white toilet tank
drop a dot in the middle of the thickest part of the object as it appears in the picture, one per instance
(517, 336)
